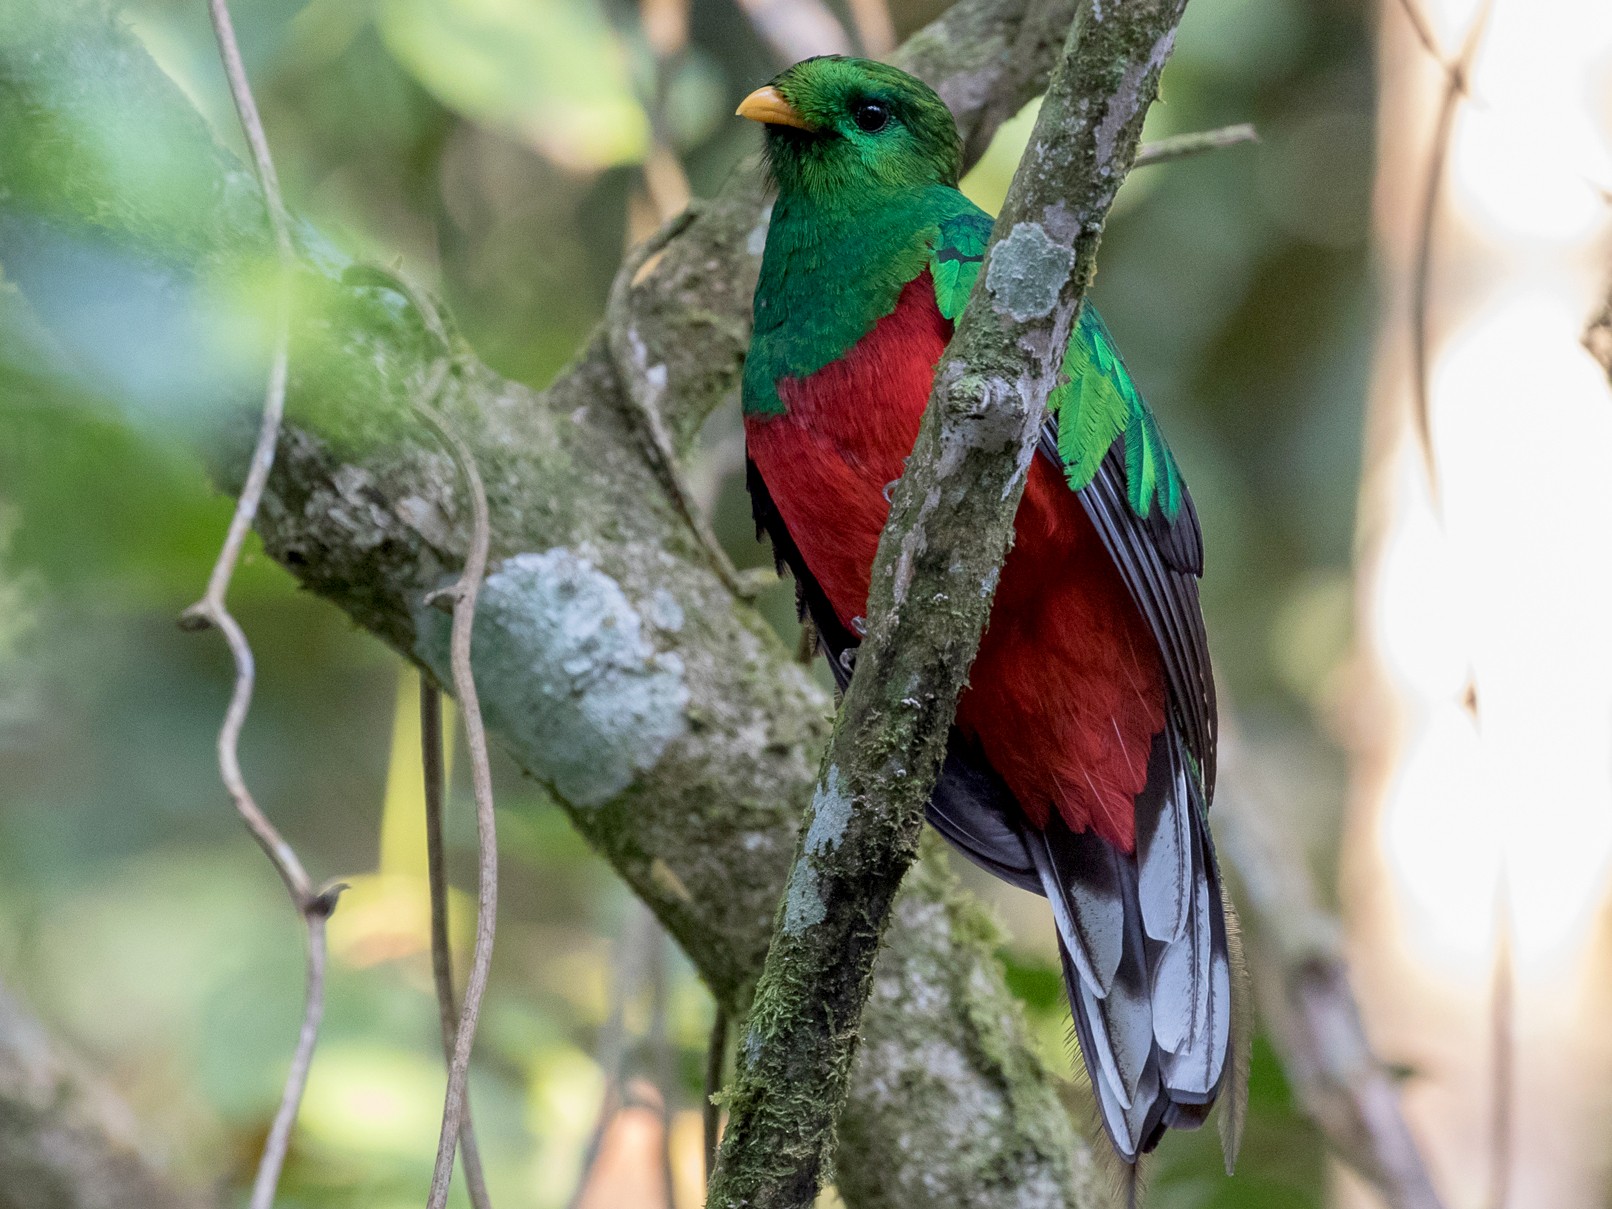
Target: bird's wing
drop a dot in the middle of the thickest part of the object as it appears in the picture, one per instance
(1146, 951)
(1100, 432)
(1104, 439)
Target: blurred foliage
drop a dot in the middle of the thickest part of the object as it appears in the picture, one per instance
(549, 73)
(495, 146)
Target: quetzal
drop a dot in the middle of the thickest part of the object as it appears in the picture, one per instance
(1082, 760)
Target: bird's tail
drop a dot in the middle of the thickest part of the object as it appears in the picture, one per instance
(1147, 960)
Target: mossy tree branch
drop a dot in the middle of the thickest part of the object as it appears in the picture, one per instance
(938, 563)
(614, 665)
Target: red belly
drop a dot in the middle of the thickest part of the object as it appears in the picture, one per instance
(1068, 691)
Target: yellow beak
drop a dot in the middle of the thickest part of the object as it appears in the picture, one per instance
(768, 105)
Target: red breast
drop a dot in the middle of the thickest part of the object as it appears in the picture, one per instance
(1068, 689)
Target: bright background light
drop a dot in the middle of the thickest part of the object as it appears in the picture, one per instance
(1484, 781)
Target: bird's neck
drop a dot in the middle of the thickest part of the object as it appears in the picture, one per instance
(829, 274)
(840, 212)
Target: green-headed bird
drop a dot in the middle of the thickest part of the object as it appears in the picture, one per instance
(1082, 761)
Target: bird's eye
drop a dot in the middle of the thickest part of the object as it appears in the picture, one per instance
(871, 116)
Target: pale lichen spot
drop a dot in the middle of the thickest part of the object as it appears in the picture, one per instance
(664, 613)
(803, 901)
(1026, 272)
(425, 518)
(1127, 97)
(568, 673)
(655, 376)
(831, 813)
(1062, 223)
(1021, 467)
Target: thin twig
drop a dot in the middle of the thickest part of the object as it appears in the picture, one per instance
(454, 1021)
(715, 1061)
(875, 32)
(661, 1057)
(1181, 146)
(666, 187)
(1502, 1050)
(643, 391)
(1424, 35)
(1598, 333)
(1456, 86)
(1421, 281)
(240, 90)
(464, 594)
(1502, 1009)
(613, 1100)
(433, 766)
(369, 273)
(211, 612)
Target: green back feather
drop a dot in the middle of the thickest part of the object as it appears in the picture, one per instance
(955, 259)
(1095, 403)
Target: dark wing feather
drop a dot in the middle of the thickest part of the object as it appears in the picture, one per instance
(978, 816)
(1160, 562)
(1180, 541)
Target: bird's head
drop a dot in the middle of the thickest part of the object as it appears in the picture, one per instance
(839, 129)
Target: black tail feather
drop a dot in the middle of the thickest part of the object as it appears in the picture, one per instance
(1156, 1031)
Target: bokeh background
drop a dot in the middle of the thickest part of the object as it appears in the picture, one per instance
(503, 152)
